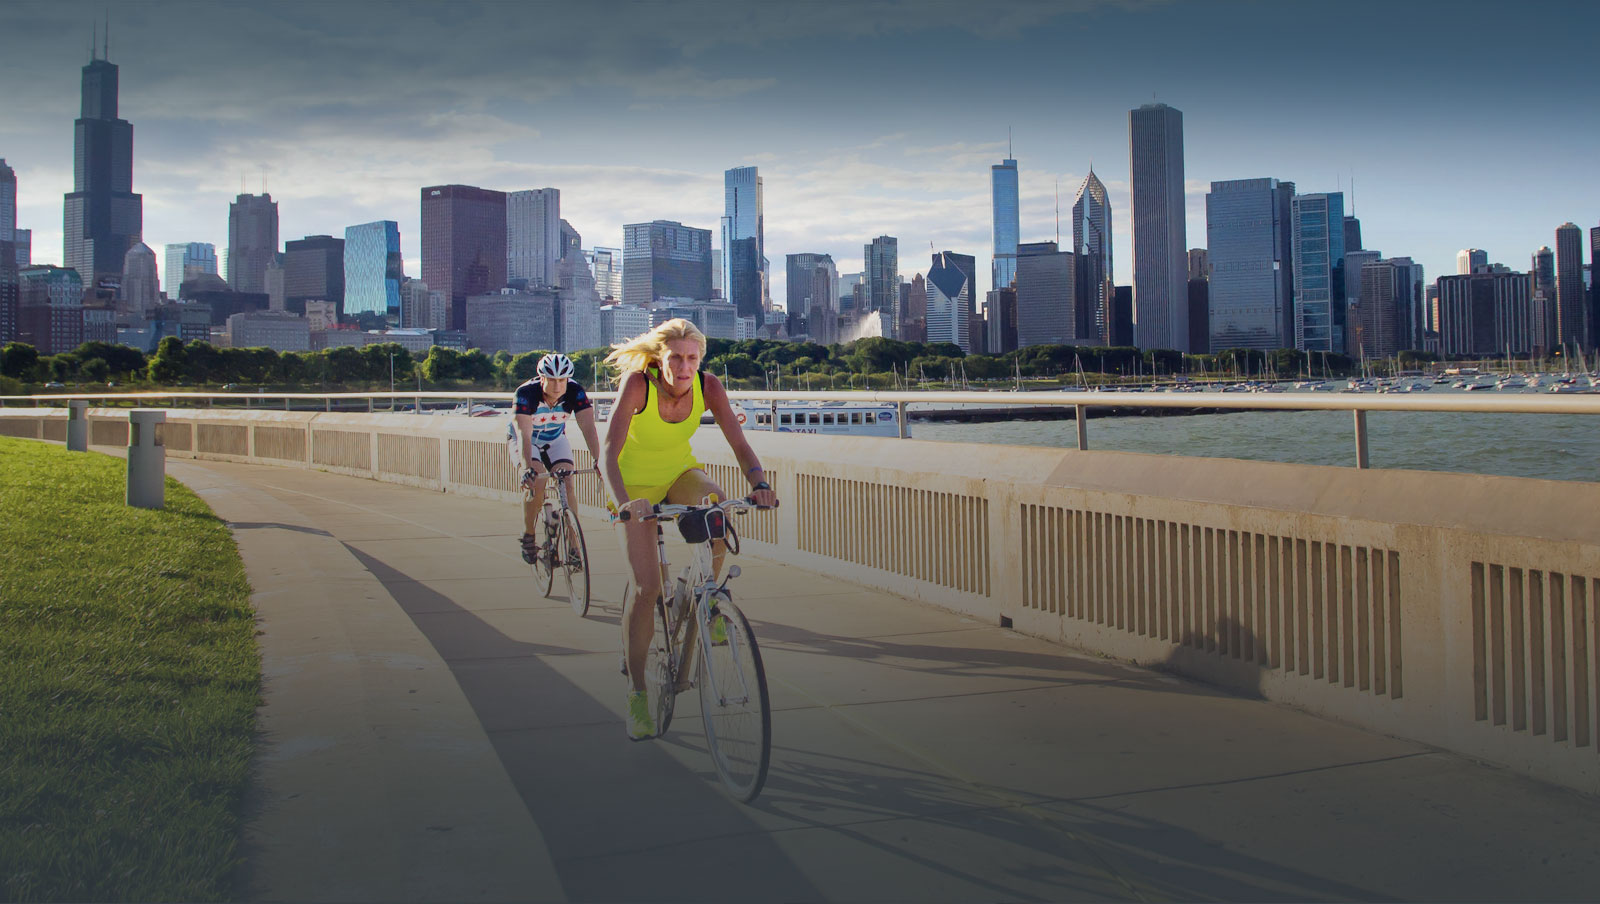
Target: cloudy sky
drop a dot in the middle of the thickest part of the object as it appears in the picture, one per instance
(1463, 124)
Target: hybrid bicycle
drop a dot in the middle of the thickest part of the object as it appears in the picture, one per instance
(561, 545)
(702, 640)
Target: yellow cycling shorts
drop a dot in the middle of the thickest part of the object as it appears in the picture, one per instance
(656, 494)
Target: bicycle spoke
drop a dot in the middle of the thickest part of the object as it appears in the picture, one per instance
(734, 706)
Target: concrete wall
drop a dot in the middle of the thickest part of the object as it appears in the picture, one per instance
(1457, 610)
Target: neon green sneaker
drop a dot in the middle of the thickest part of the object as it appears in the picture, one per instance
(640, 725)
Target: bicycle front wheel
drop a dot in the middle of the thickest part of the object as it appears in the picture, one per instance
(574, 562)
(544, 565)
(734, 706)
(661, 670)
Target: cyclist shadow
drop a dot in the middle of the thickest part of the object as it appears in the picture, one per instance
(902, 652)
(1011, 844)
(622, 821)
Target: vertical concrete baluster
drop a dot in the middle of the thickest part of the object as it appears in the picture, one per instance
(147, 460)
(77, 426)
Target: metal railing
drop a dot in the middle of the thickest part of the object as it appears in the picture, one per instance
(1359, 404)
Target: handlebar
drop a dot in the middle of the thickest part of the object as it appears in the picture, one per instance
(563, 472)
(670, 512)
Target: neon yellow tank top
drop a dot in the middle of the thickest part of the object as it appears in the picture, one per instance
(657, 451)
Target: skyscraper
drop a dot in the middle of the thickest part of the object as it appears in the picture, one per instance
(1386, 294)
(914, 310)
(665, 259)
(1160, 280)
(21, 240)
(373, 269)
(1572, 311)
(606, 265)
(1199, 264)
(1468, 260)
(882, 274)
(1544, 270)
(1048, 299)
(1007, 223)
(571, 247)
(186, 260)
(1319, 294)
(102, 217)
(1485, 313)
(463, 244)
(140, 290)
(1353, 262)
(313, 270)
(812, 290)
(533, 235)
(8, 202)
(1352, 233)
(1249, 241)
(1091, 243)
(1594, 287)
(949, 288)
(743, 241)
(252, 241)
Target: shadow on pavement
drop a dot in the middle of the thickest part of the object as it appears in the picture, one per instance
(604, 804)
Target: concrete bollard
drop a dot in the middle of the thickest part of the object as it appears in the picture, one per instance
(147, 460)
(77, 426)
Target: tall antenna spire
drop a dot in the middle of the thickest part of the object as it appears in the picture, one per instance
(107, 54)
(1008, 142)
(94, 39)
(1058, 213)
(1352, 194)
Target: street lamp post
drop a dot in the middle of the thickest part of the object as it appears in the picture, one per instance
(391, 379)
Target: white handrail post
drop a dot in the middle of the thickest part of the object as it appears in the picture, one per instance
(1080, 417)
(1362, 459)
(902, 407)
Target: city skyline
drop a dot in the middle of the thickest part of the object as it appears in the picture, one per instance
(339, 147)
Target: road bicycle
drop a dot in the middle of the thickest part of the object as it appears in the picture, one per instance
(561, 546)
(702, 640)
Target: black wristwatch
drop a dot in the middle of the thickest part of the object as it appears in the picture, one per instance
(763, 485)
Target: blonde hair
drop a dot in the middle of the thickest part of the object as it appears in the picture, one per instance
(650, 348)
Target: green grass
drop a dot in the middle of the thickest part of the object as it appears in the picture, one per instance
(129, 680)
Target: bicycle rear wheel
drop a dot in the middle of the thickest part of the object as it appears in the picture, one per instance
(577, 577)
(734, 706)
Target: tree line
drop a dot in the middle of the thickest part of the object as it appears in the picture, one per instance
(747, 364)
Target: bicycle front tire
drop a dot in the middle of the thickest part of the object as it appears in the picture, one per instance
(735, 709)
(544, 567)
(577, 578)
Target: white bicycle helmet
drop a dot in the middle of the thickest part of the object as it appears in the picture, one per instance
(555, 364)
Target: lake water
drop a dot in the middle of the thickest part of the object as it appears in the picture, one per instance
(1561, 447)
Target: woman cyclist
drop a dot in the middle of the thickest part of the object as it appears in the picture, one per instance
(648, 460)
(537, 437)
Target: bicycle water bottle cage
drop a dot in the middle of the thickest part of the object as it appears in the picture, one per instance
(703, 525)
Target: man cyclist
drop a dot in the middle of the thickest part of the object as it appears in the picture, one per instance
(648, 460)
(537, 437)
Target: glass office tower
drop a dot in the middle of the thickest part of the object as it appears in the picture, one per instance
(1319, 292)
(373, 268)
(1007, 224)
(1251, 269)
(743, 243)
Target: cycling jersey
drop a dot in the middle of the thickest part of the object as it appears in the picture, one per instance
(550, 421)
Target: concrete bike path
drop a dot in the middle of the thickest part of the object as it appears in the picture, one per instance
(435, 729)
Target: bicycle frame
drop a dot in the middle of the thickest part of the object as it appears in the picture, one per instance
(701, 586)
